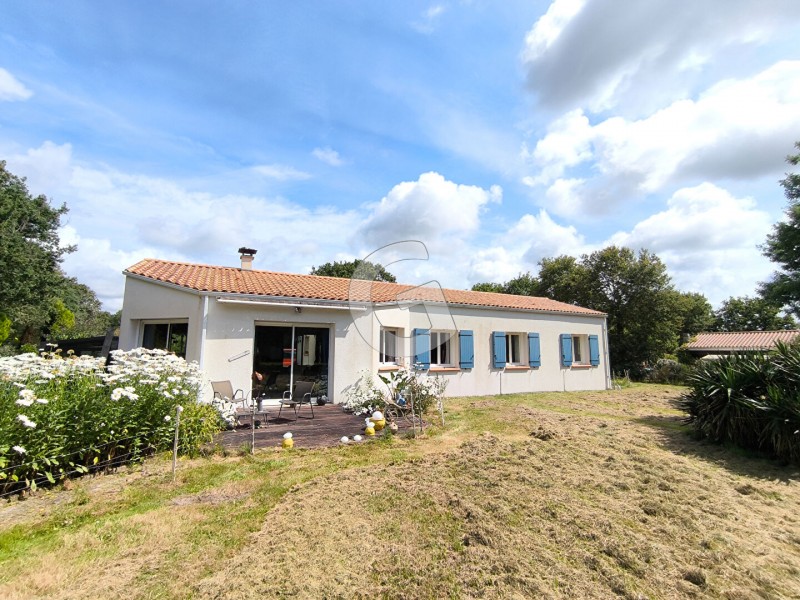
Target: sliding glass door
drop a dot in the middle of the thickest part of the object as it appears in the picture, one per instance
(285, 354)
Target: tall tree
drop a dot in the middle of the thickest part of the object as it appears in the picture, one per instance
(360, 269)
(637, 294)
(751, 314)
(563, 279)
(695, 313)
(783, 247)
(30, 257)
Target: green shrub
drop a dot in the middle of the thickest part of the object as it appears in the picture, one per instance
(752, 401)
(668, 371)
(65, 416)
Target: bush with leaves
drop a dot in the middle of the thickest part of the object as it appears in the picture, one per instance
(668, 371)
(62, 416)
(424, 392)
(750, 400)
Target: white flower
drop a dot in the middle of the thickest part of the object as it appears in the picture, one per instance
(24, 402)
(167, 418)
(19, 450)
(42, 400)
(26, 421)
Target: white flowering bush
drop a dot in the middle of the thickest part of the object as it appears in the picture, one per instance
(364, 396)
(60, 416)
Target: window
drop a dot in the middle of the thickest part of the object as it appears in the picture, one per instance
(388, 346)
(166, 336)
(441, 354)
(513, 349)
(578, 349)
(578, 356)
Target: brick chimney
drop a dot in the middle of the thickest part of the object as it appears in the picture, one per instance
(247, 256)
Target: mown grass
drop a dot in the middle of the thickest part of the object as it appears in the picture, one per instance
(541, 495)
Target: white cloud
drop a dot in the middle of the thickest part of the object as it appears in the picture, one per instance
(11, 88)
(708, 239)
(431, 208)
(736, 129)
(281, 172)
(519, 250)
(117, 218)
(427, 22)
(549, 27)
(595, 55)
(329, 156)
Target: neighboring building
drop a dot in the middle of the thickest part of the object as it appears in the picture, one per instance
(721, 343)
(234, 321)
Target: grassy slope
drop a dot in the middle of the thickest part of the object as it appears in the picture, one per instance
(590, 495)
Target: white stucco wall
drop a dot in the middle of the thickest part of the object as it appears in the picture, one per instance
(484, 378)
(146, 302)
(223, 341)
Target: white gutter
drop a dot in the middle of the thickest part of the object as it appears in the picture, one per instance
(291, 304)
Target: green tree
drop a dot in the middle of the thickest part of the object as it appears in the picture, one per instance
(358, 269)
(30, 257)
(636, 293)
(89, 317)
(523, 284)
(751, 314)
(783, 247)
(563, 279)
(497, 288)
(695, 312)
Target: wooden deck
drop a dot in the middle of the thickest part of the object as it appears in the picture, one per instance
(329, 425)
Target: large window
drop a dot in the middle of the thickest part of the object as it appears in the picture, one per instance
(166, 336)
(388, 346)
(441, 348)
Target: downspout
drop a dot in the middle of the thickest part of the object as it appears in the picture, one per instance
(291, 366)
(203, 329)
(606, 353)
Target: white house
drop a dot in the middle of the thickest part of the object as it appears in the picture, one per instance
(234, 321)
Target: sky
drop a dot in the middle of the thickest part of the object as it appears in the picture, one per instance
(495, 133)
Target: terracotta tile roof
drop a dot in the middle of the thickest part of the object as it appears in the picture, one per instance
(732, 341)
(233, 281)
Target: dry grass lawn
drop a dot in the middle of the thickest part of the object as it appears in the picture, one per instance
(575, 495)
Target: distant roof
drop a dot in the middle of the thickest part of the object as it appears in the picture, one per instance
(236, 281)
(740, 341)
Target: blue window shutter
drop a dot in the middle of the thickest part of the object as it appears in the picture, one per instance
(466, 350)
(534, 352)
(566, 350)
(594, 350)
(422, 348)
(499, 349)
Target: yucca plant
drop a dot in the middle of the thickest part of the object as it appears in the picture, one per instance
(751, 400)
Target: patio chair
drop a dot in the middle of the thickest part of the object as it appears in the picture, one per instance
(301, 394)
(223, 390)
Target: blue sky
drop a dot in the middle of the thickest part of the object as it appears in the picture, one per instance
(497, 133)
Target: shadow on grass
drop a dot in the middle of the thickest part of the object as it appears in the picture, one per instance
(678, 437)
